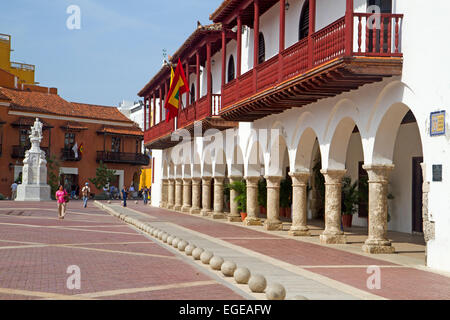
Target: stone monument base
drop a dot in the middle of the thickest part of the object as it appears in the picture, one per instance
(33, 193)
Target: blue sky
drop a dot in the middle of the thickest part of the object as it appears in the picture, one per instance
(116, 51)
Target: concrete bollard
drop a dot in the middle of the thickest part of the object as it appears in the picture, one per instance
(242, 275)
(228, 268)
(189, 248)
(216, 262)
(206, 256)
(275, 291)
(257, 283)
(196, 253)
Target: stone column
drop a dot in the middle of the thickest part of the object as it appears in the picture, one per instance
(218, 198)
(178, 194)
(377, 241)
(299, 204)
(273, 204)
(196, 192)
(187, 195)
(333, 192)
(235, 215)
(206, 196)
(171, 194)
(252, 202)
(164, 193)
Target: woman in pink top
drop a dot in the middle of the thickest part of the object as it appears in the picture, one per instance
(60, 199)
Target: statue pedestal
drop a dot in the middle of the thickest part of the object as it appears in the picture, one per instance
(33, 193)
(34, 185)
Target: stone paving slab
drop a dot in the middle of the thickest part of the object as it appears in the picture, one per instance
(116, 261)
(329, 265)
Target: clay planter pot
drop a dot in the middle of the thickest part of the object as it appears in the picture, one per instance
(243, 215)
(347, 220)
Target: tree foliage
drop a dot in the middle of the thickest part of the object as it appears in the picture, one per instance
(103, 176)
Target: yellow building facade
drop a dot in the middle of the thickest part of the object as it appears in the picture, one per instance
(24, 72)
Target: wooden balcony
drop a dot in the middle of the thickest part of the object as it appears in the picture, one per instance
(123, 157)
(69, 155)
(204, 113)
(18, 152)
(331, 61)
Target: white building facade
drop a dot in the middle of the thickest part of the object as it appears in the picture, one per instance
(377, 110)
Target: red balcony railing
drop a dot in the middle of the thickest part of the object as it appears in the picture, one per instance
(375, 35)
(159, 130)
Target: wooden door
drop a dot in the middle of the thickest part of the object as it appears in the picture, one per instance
(417, 181)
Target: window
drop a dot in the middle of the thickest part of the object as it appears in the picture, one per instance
(303, 28)
(115, 144)
(192, 93)
(24, 138)
(231, 73)
(261, 49)
(69, 140)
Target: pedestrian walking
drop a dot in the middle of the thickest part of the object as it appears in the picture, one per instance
(62, 197)
(124, 196)
(85, 192)
(145, 193)
(14, 190)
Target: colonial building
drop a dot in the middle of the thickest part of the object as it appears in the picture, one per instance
(78, 135)
(311, 90)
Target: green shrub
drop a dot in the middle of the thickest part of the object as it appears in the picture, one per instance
(2, 197)
(241, 198)
(101, 196)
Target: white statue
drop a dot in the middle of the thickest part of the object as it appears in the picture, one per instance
(34, 185)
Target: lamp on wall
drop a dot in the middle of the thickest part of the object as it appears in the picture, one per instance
(286, 5)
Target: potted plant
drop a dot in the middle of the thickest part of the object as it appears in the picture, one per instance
(262, 196)
(240, 188)
(350, 199)
(285, 197)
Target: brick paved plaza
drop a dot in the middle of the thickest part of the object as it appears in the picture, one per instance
(118, 262)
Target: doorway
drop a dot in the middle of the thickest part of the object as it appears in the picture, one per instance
(417, 181)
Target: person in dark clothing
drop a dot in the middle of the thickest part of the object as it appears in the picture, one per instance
(145, 194)
(124, 196)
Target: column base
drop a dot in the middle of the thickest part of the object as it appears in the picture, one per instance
(378, 247)
(163, 205)
(176, 207)
(218, 215)
(333, 239)
(205, 212)
(299, 232)
(186, 209)
(251, 221)
(194, 211)
(273, 225)
(170, 206)
(232, 218)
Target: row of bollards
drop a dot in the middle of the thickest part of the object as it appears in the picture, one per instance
(257, 283)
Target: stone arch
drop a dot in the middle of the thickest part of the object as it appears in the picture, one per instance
(207, 163)
(220, 163)
(196, 166)
(187, 170)
(171, 170)
(237, 162)
(304, 151)
(277, 155)
(254, 159)
(337, 153)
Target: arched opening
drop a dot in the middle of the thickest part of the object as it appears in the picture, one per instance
(303, 26)
(231, 69)
(261, 48)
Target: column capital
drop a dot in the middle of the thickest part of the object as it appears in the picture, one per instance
(179, 180)
(273, 181)
(299, 178)
(252, 180)
(379, 172)
(206, 180)
(196, 180)
(187, 180)
(218, 180)
(333, 176)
